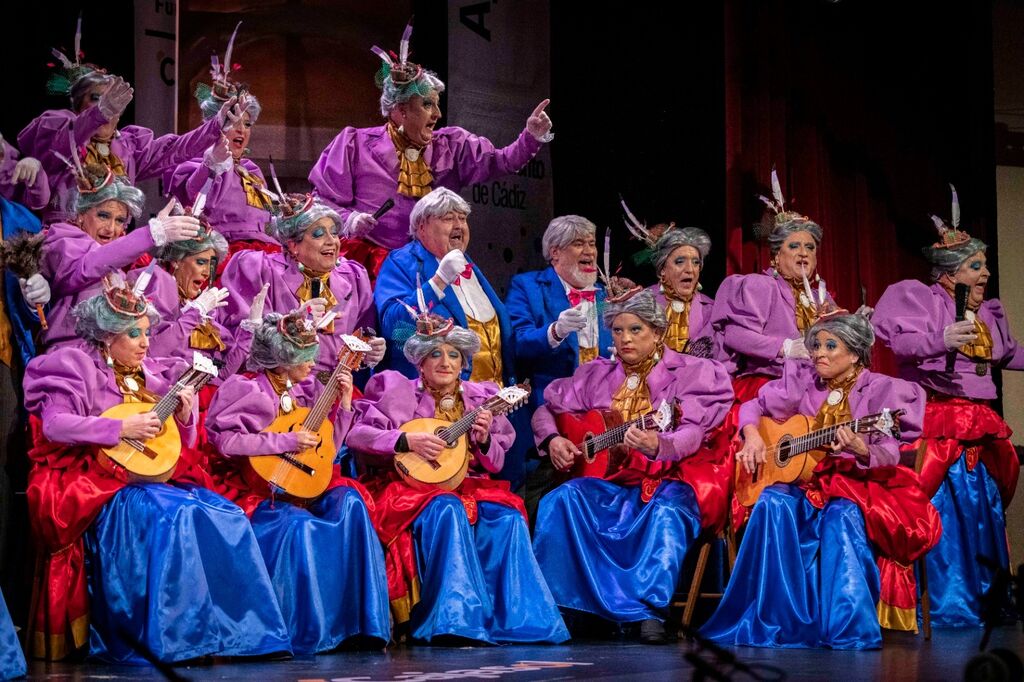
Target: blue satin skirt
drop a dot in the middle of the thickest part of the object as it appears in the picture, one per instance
(804, 578)
(972, 523)
(480, 582)
(327, 568)
(606, 552)
(12, 661)
(177, 570)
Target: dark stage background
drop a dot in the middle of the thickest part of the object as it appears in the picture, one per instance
(868, 108)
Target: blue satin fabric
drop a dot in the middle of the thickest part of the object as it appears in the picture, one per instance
(606, 552)
(12, 661)
(972, 523)
(804, 578)
(178, 570)
(480, 582)
(327, 568)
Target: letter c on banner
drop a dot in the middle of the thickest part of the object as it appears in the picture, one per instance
(165, 64)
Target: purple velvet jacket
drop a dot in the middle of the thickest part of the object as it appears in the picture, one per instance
(801, 391)
(143, 154)
(358, 171)
(392, 399)
(70, 387)
(910, 318)
(701, 387)
(226, 206)
(35, 196)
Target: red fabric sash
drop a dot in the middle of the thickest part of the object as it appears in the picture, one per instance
(245, 245)
(955, 426)
(397, 507)
(899, 518)
(369, 255)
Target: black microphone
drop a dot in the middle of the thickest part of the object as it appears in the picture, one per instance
(960, 293)
(384, 208)
(314, 287)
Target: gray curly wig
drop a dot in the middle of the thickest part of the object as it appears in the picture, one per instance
(674, 238)
(435, 204)
(642, 305)
(271, 349)
(292, 229)
(564, 230)
(418, 346)
(946, 261)
(853, 330)
(97, 322)
(392, 95)
(781, 232)
(119, 190)
(207, 239)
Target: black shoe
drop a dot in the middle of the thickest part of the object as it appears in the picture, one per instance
(652, 631)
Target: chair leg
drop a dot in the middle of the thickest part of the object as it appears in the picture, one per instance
(698, 578)
(926, 605)
(33, 604)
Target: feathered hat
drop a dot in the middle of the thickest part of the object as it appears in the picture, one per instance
(427, 323)
(396, 67)
(776, 214)
(950, 237)
(222, 87)
(129, 301)
(298, 329)
(617, 289)
(68, 72)
(89, 179)
(649, 236)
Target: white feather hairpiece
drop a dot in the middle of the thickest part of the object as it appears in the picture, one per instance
(955, 215)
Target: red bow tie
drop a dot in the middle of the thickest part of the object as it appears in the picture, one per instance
(467, 274)
(576, 296)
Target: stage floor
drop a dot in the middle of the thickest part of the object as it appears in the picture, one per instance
(904, 657)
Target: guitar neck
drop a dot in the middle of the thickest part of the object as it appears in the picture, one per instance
(322, 406)
(462, 425)
(169, 403)
(819, 438)
(616, 435)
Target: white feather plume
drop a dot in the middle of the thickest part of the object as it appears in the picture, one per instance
(78, 39)
(420, 301)
(637, 228)
(230, 49)
(956, 207)
(939, 223)
(62, 58)
(607, 252)
(277, 185)
(403, 47)
(200, 202)
(383, 55)
(777, 190)
(142, 282)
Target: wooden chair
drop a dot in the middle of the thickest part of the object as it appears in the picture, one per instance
(689, 603)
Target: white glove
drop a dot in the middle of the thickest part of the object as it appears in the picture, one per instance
(795, 348)
(958, 334)
(230, 113)
(358, 224)
(317, 308)
(172, 228)
(539, 124)
(218, 157)
(451, 266)
(35, 289)
(256, 309)
(208, 301)
(376, 354)
(569, 320)
(115, 100)
(26, 170)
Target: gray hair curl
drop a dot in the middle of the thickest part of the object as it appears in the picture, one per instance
(292, 229)
(392, 95)
(642, 305)
(564, 230)
(674, 238)
(207, 239)
(780, 233)
(97, 322)
(853, 330)
(946, 261)
(120, 191)
(417, 347)
(435, 204)
(271, 349)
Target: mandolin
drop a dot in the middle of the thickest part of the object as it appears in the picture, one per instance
(306, 474)
(153, 460)
(597, 433)
(794, 449)
(449, 469)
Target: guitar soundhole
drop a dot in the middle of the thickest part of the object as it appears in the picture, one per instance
(784, 449)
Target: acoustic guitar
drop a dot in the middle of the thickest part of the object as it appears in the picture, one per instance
(153, 460)
(449, 469)
(794, 449)
(598, 434)
(306, 474)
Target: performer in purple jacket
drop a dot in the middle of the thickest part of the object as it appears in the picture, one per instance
(22, 179)
(308, 272)
(236, 205)
(614, 546)
(967, 462)
(406, 158)
(78, 254)
(90, 127)
(806, 573)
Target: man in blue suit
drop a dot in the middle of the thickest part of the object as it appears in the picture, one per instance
(556, 322)
(451, 286)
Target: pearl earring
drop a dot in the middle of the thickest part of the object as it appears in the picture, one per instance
(302, 268)
(700, 287)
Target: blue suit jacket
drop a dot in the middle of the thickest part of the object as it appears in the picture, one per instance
(396, 284)
(534, 301)
(16, 218)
